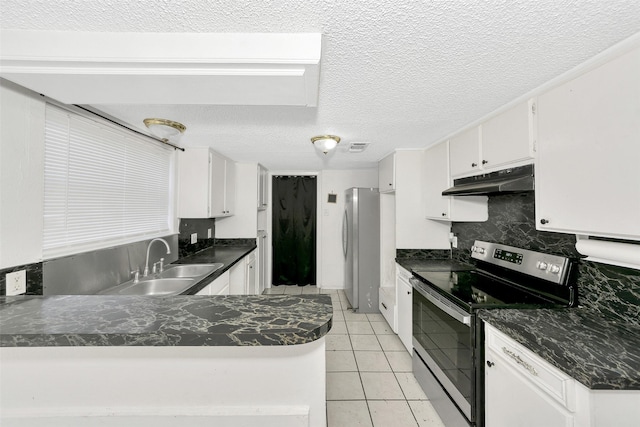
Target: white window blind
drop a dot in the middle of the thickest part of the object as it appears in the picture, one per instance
(103, 185)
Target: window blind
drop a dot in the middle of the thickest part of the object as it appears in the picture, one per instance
(103, 185)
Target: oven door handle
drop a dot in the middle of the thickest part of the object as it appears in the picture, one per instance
(442, 303)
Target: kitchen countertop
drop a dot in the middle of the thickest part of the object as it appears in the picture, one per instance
(599, 353)
(417, 264)
(227, 255)
(181, 320)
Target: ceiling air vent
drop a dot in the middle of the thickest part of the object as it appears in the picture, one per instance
(358, 147)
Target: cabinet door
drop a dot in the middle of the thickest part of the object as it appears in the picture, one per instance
(506, 137)
(217, 173)
(262, 187)
(436, 180)
(194, 183)
(405, 297)
(387, 174)
(464, 152)
(587, 179)
(229, 187)
(237, 278)
(510, 400)
(205, 291)
(220, 286)
(251, 276)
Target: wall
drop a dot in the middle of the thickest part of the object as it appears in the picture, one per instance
(614, 291)
(330, 220)
(22, 115)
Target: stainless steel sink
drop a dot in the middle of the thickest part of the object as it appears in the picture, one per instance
(174, 280)
(157, 287)
(190, 270)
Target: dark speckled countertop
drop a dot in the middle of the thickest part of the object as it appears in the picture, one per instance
(227, 255)
(599, 353)
(180, 320)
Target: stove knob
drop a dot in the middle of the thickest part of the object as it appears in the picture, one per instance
(541, 265)
(555, 269)
(478, 249)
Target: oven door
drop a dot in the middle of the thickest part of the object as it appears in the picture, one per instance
(442, 341)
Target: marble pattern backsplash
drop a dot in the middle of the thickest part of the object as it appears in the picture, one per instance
(423, 253)
(34, 278)
(610, 290)
(200, 226)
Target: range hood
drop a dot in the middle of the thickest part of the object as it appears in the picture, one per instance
(510, 180)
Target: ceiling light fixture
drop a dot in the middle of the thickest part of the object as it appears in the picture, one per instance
(325, 143)
(166, 130)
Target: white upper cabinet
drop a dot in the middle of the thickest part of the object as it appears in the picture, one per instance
(436, 179)
(263, 186)
(465, 152)
(587, 170)
(387, 174)
(206, 185)
(413, 230)
(506, 139)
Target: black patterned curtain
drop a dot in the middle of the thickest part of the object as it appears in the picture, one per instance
(294, 230)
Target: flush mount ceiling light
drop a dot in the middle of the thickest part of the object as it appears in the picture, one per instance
(325, 143)
(166, 130)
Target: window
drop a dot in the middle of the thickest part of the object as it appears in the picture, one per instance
(104, 185)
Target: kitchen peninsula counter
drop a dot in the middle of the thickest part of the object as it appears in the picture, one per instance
(84, 360)
(182, 320)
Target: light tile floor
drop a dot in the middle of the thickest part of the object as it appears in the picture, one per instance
(369, 378)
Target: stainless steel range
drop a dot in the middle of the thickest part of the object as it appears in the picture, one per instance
(447, 337)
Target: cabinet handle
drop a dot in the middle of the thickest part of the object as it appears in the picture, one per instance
(544, 221)
(408, 292)
(490, 364)
(484, 162)
(383, 304)
(519, 361)
(390, 184)
(473, 165)
(444, 214)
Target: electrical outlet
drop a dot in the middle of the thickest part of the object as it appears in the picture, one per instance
(208, 233)
(194, 238)
(454, 242)
(16, 282)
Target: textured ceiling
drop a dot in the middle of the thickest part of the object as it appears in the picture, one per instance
(401, 73)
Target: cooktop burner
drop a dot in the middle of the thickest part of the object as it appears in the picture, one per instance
(504, 276)
(475, 289)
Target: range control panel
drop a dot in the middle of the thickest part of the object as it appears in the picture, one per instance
(553, 268)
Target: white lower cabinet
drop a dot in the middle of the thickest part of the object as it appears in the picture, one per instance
(404, 297)
(242, 276)
(220, 286)
(522, 389)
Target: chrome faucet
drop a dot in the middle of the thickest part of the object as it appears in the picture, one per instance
(146, 263)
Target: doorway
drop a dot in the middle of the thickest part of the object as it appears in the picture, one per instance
(294, 202)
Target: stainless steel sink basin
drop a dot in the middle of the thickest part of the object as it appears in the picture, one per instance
(157, 287)
(174, 280)
(190, 270)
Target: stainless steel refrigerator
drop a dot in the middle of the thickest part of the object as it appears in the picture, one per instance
(361, 247)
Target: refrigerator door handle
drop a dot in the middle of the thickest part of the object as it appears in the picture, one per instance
(345, 234)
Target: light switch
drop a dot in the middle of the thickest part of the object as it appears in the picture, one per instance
(16, 282)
